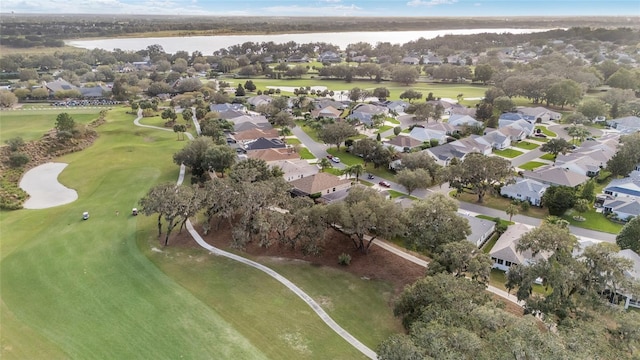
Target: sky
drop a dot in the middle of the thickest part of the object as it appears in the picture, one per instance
(329, 7)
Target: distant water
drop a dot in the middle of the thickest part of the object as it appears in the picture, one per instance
(208, 44)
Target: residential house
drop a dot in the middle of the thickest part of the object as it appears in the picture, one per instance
(633, 273)
(402, 142)
(221, 108)
(410, 60)
(327, 112)
(258, 100)
(509, 118)
(371, 109)
(329, 57)
(497, 139)
(360, 58)
(324, 102)
(320, 183)
(473, 143)
(518, 130)
(443, 127)
(504, 253)
(257, 120)
(443, 154)
(581, 164)
(248, 125)
(623, 207)
(555, 175)
(431, 60)
(539, 114)
(398, 106)
(274, 155)
(627, 187)
(231, 114)
(463, 120)
(423, 134)
(525, 190)
(252, 134)
(295, 169)
(298, 58)
(481, 229)
(264, 143)
(364, 113)
(625, 125)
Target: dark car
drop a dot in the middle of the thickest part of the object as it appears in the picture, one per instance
(384, 184)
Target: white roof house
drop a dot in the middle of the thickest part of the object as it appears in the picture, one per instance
(425, 134)
(481, 229)
(555, 175)
(627, 187)
(295, 169)
(525, 190)
(504, 253)
(462, 120)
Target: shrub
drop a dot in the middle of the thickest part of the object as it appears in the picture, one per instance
(397, 130)
(525, 206)
(344, 259)
(18, 159)
(15, 143)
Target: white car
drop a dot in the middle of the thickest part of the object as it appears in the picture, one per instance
(335, 159)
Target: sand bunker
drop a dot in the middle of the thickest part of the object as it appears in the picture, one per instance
(41, 183)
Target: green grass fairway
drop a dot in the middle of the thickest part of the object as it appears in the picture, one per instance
(594, 221)
(395, 89)
(105, 288)
(531, 165)
(82, 289)
(525, 145)
(32, 124)
(508, 153)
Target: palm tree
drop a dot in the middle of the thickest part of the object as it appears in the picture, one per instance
(355, 170)
(512, 210)
(324, 164)
(393, 152)
(284, 132)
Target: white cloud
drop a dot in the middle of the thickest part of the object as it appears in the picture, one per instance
(328, 10)
(477, 4)
(430, 2)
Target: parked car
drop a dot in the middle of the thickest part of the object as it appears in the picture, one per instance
(329, 157)
(541, 135)
(384, 184)
(335, 159)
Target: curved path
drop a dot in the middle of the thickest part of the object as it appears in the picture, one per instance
(291, 286)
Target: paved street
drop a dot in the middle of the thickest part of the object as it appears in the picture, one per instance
(319, 150)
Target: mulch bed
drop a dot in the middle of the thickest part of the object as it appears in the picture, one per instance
(378, 264)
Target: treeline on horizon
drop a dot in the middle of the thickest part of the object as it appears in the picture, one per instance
(23, 31)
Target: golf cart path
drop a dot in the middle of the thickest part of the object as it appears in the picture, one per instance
(291, 286)
(41, 183)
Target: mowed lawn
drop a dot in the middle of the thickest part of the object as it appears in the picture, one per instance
(395, 89)
(104, 288)
(82, 289)
(32, 124)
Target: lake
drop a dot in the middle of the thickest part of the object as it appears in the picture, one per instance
(208, 44)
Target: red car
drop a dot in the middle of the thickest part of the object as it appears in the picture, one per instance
(384, 184)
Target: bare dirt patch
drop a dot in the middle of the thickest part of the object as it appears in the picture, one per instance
(378, 264)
